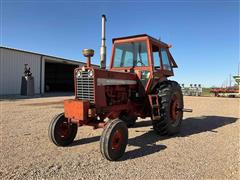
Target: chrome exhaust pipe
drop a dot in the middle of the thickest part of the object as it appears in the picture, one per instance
(103, 46)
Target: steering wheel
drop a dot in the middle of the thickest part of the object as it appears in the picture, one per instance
(140, 63)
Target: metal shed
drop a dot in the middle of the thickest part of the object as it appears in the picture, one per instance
(51, 74)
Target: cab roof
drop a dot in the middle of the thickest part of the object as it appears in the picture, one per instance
(141, 35)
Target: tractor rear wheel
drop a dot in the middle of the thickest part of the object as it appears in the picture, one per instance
(60, 131)
(114, 140)
(171, 104)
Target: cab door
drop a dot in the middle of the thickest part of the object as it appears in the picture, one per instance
(165, 61)
(162, 64)
(156, 57)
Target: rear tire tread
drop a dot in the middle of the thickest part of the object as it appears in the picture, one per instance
(163, 126)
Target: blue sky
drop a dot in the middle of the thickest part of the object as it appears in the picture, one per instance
(204, 34)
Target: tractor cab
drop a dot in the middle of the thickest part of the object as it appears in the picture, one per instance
(148, 57)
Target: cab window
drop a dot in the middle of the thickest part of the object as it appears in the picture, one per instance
(156, 57)
(132, 54)
(165, 60)
(118, 56)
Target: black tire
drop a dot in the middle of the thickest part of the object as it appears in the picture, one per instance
(171, 103)
(114, 140)
(129, 120)
(60, 131)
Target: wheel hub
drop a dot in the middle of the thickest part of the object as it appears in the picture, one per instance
(174, 108)
(63, 130)
(117, 140)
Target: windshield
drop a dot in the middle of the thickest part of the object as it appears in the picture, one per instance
(130, 54)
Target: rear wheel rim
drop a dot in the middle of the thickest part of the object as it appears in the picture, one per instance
(174, 109)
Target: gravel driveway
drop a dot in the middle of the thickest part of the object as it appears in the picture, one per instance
(207, 147)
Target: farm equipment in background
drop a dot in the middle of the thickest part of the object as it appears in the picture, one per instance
(225, 92)
(136, 85)
(230, 91)
(195, 90)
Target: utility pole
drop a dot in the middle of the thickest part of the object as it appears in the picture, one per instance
(238, 69)
(230, 80)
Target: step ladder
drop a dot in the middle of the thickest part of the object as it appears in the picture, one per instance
(154, 102)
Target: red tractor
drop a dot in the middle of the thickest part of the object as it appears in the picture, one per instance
(135, 85)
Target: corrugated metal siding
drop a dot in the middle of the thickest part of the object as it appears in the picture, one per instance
(12, 67)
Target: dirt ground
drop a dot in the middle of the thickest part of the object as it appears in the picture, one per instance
(207, 147)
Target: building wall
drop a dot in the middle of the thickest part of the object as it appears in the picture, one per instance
(12, 69)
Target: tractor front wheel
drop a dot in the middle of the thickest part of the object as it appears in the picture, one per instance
(114, 140)
(60, 131)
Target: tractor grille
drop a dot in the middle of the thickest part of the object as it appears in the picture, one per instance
(85, 87)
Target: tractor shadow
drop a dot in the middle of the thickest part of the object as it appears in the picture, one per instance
(190, 126)
(195, 125)
(147, 142)
(85, 141)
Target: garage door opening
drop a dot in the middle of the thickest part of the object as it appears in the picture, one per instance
(59, 77)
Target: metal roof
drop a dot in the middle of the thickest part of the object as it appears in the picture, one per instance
(59, 58)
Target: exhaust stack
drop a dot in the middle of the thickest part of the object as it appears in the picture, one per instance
(103, 46)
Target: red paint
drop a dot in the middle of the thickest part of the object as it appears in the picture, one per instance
(76, 109)
(117, 140)
(111, 100)
(174, 108)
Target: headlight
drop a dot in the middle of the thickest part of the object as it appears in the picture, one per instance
(79, 74)
(90, 73)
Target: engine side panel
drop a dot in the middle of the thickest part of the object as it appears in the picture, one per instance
(113, 88)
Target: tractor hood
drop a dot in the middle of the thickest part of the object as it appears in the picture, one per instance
(102, 87)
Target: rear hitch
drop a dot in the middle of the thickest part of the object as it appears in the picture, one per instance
(185, 110)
